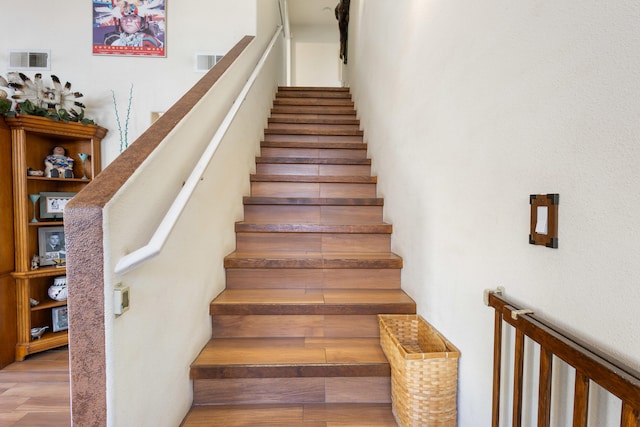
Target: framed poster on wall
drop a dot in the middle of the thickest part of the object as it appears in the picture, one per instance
(134, 28)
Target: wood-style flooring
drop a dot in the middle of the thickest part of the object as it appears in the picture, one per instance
(35, 392)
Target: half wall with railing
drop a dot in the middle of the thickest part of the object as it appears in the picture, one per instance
(132, 369)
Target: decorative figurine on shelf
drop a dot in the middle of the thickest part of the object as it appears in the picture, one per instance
(59, 291)
(57, 164)
(35, 262)
(36, 333)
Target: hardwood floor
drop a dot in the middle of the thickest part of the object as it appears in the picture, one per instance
(35, 392)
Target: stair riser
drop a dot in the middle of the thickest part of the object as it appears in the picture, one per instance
(357, 278)
(326, 326)
(312, 138)
(312, 109)
(313, 214)
(350, 118)
(307, 102)
(312, 242)
(292, 390)
(314, 153)
(313, 94)
(312, 170)
(313, 127)
(311, 189)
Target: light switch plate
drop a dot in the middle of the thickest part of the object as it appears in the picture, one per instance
(120, 299)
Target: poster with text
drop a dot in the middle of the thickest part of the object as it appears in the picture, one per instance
(134, 27)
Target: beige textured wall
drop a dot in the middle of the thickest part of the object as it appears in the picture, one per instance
(470, 107)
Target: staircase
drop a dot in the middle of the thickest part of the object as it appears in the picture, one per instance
(295, 333)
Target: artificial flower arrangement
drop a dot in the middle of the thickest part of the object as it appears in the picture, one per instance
(20, 94)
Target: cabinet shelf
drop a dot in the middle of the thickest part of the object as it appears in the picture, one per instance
(58, 180)
(49, 304)
(41, 272)
(32, 140)
(44, 223)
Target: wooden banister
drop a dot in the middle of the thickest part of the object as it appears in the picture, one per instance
(590, 365)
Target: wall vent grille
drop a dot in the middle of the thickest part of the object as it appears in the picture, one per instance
(30, 60)
(204, 61)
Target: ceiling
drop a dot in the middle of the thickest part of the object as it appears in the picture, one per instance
(312, 12)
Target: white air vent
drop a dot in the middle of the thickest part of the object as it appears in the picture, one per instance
(30, 60)
(204, 61)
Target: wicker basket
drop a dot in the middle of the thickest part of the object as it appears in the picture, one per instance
(424, 371)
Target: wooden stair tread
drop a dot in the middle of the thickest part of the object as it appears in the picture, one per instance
(285, 125)
(312, 161)
(315, 144)
(314, 101)
(254, 227)
(313, 88)
(290, 357)
(333, 119)
(310, 131)
(312, 109)
(313, 201)
(306, 93)
(311, 302)
(344, 179)
(291, 415)
(313, 260)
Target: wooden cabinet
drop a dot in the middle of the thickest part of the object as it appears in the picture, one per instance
(32, 140)
(7, 284)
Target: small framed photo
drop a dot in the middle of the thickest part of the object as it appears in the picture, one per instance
(52, 204)
(60, 318)
(51, 245)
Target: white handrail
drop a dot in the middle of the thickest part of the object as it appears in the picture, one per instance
(160, 236)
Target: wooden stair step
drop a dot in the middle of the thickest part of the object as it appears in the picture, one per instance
(318, 128)
(312, 161)
(331, 130)
(318, 139)
(312, 278)
(290, 358)
(303, 238)
(317, 101)
(365, 260)
(292, 415)
(338, 179)
(312, 109)
(313, 201)
(313, 88)
(315, 144)
(309, 93)
(311, 302)
(252, 227)
(290, 326)
(326, 119)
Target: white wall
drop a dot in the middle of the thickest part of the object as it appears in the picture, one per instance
(470, 108)
(315, 55)
(192, 26)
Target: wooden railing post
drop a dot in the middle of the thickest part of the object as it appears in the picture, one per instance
(544, 390)
(497, 364)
